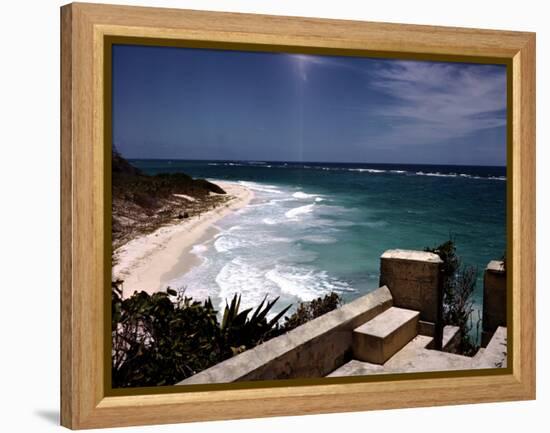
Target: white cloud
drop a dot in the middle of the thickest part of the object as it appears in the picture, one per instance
(431, 101)
(428, 102)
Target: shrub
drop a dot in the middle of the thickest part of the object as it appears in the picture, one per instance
(459, 282)
(307, 311)
(163, 338)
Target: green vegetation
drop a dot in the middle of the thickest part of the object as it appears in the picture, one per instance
(459, 282)
(163, 338)
(307, 311)
(130, 183)
(143, 203)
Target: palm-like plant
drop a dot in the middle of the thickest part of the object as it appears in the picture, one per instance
(163, 338)
(239, 332)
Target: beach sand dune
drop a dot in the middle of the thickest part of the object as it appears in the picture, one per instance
(148, 262)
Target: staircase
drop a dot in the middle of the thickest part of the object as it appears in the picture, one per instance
(390, 343)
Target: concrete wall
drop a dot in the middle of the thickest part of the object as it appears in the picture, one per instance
(311, 350)
(413, 278)
(494, 299)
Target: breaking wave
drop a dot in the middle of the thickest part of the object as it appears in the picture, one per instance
(366, 170)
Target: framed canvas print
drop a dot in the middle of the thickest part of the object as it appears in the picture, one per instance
(269, 216)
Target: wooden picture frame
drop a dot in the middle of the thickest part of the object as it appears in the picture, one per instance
(85, 402)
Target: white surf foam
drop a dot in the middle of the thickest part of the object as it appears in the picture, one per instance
(279, 200)
(462, 175)
(303, 195)
(304, 284)
(367, 170)
(260, 187)
(225, 243)
(241, 277)
(421, 173)
(301, 210)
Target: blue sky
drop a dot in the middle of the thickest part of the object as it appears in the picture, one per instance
(211, 104)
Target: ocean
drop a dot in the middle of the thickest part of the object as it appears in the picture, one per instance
(313, 228)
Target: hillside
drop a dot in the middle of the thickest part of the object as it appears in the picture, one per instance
(142, 203)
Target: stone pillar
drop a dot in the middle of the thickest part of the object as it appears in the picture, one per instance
(494, 299)
(414, 280)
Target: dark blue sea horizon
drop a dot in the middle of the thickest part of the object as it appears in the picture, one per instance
(153, 164)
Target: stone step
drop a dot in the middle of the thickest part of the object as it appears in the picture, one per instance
(478, 355)
(413, 358)
(496, 353)
(451, 338)
(357, 368)
(420, 342)
(380, 338)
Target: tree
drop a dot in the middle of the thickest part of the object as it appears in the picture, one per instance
(459, 282)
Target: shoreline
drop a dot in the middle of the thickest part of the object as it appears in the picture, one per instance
(150, 261)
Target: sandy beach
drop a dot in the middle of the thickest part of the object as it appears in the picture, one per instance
(149, 262)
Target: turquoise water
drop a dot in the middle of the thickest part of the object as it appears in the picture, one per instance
(315, 227)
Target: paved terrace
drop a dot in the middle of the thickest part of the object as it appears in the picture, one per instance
(417, 357)
(389, 330)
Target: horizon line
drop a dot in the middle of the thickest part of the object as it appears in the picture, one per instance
(320, 162)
